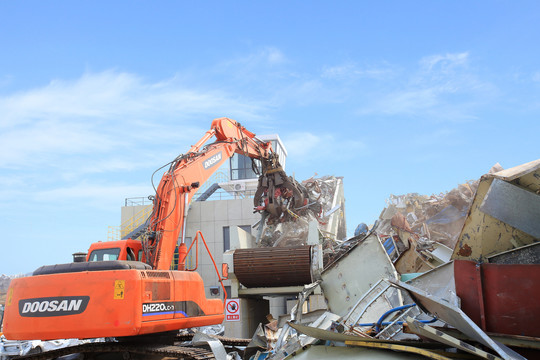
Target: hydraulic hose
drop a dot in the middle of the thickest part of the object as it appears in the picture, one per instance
(381, 322)
(385, 315)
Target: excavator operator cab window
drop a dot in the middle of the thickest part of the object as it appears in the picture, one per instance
(104, 254)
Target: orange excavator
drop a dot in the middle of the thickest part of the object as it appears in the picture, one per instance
(125, 296)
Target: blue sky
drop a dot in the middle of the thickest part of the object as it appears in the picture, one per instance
(395, 96)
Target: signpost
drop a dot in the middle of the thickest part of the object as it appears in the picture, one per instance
(232, 310)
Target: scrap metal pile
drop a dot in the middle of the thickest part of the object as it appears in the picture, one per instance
(455, 275)
(479, 300)
(321, 200)
(436, 218)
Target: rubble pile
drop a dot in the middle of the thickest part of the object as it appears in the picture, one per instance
(286, 234)
(5, 280)
(436, 218)
(455, 275)
(4, 283)
(450, 309)
(320, 194)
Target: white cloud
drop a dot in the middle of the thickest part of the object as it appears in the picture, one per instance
(103, 112)
(442, 88)
(444, 62)
(103, 195)
(275, 56)
(29, 145)
(113, 95)
(79, 141)
(310, 147)
(350, 70)
(263, 57)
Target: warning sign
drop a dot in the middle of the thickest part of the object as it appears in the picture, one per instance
(119, 286)
(232, 310)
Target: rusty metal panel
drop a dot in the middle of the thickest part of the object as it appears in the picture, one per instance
(515, 206)
(500, 298)
(274, 266)
(483, 235)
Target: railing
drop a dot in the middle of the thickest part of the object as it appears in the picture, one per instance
(137, 201)
(113, 233)
(224, 195)
(136, 220)
(195, 242)
(119, 232)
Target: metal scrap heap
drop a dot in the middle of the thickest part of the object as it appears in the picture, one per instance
(322, 200)
(454, 275)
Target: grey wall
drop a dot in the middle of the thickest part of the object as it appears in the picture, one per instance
(210, 217)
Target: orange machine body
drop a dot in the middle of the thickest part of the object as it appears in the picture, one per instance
(109, 303)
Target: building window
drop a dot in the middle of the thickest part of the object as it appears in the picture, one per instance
(226, 238)
(241, 167)
(228, 291)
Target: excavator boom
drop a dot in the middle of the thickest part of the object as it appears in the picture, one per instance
(181, 181)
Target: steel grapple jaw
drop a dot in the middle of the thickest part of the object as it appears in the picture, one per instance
(278, 195)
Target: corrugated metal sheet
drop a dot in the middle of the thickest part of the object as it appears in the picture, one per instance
(275, 266)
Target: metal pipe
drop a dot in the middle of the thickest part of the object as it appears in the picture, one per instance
(205, 138)
(186, 203)
(182, 249)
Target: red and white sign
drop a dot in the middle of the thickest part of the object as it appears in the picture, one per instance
(232, 310)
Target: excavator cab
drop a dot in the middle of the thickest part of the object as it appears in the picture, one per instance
(128, 249)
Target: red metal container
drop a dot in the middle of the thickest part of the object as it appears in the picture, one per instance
(500, 298)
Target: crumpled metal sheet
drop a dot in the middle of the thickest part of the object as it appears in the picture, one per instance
(437, 218)
(457, 318)
(503, 214)
(10, 348)
(345, 281)
(202, 339)
(514, 206)
(320, 194)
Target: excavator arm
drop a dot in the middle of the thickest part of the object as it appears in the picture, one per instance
(190, 170)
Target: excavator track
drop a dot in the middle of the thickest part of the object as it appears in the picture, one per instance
(224, 340)
(126, 351)
(233, 342)
(130, 351)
